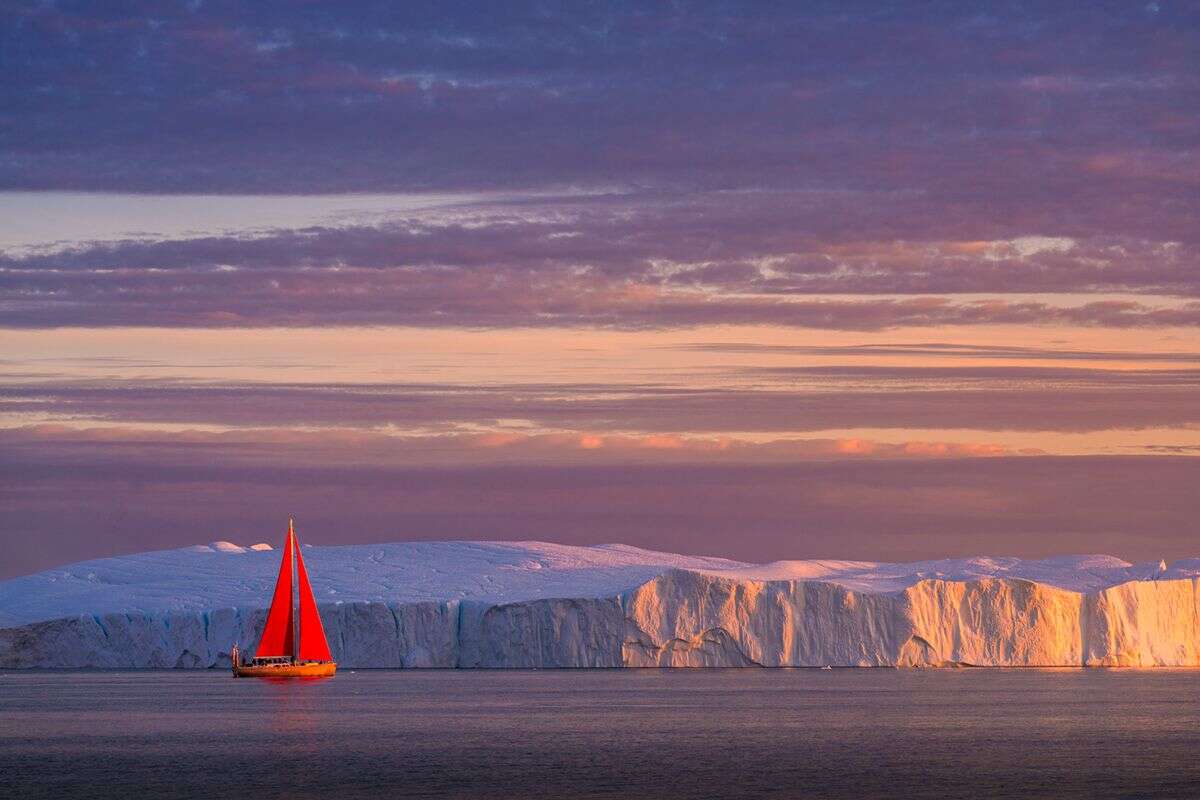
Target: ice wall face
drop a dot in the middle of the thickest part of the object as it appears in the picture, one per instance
(1144, 624)
(698, 620)
(637, 609)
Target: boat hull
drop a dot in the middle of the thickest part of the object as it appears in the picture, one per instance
(316, 669)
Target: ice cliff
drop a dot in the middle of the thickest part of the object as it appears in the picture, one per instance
(532, 604)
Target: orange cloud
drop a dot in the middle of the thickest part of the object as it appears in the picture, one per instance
(342, 445)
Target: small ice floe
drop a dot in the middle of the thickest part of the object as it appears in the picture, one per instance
(226, 547)
(261, 546)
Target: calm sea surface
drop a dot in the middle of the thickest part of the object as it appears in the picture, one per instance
(575, 734)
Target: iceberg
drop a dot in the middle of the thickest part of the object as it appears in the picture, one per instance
(542, 605)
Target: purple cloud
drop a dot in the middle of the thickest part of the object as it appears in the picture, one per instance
(797, 399)
(737, 160)
(477, 299)
(945, 350)
(56, 510)
(841, 166)
(601, 262)
(1020, 102)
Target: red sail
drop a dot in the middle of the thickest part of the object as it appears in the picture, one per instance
(313, 645)
(278, 637)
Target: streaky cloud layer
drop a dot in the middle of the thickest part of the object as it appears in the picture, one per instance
(1026, 105)
(846, 279)
(780, 399)
(630, 262)
(659, 167)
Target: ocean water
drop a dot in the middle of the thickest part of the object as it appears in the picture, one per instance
(603, 734)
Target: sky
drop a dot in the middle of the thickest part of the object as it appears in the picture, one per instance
(841, 280)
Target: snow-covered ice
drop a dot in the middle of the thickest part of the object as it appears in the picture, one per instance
(518, 604)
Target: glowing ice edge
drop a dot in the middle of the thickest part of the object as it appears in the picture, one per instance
(535, 604)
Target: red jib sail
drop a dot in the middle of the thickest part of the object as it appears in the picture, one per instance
(313, 645)
(278, 635)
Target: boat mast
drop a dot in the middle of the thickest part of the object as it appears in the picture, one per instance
(294, 596)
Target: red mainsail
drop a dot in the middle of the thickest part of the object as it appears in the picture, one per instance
(313, 645)
(278, 637)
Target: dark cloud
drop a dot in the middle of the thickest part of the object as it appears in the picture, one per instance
(943, 350)
(1174, 449)
(481, 301)
(735, 159)
(1024, 102)
(628, 261)
(790, 241)
(786, 399)
(800, 241)
(847, 166)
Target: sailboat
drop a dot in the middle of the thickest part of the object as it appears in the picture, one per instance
(292, 645)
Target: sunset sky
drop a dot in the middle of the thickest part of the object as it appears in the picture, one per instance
(875, 281)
